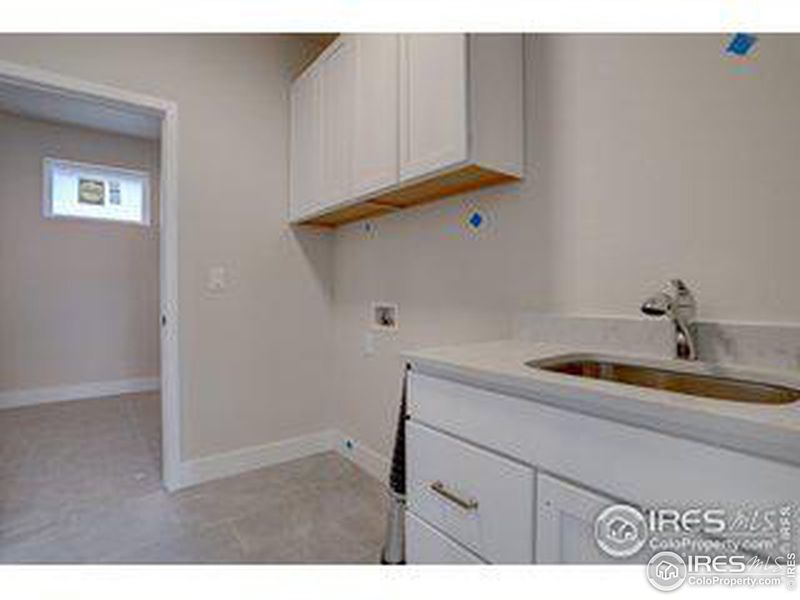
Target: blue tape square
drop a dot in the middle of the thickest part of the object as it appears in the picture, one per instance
(476, 220)
(741, 44)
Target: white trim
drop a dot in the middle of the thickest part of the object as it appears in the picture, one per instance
(226, 464)
(63, 85)
(372, 462)
(167, 111)
(171, 399)
(80, 391)
(238, 461)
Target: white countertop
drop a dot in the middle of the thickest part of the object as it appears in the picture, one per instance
(771, 431)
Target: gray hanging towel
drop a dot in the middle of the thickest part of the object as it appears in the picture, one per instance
(394, 546)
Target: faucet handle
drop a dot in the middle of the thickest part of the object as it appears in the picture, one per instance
(677, 303)
(684, 299)
(679, 286)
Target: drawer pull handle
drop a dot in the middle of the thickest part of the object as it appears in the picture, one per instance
(438, 487)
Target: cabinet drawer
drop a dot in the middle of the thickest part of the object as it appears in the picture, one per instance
(480, 499)
(597, 451)
(426, 546)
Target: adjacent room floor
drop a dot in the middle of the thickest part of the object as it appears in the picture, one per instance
(80, 482)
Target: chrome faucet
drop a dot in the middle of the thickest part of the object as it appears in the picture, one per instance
(677, 303)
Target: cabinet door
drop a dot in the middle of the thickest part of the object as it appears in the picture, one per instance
(337, 122)
(433, 103)
(375, 143)
(305, 155)
(565, 524)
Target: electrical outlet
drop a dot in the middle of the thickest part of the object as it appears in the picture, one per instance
(369, 342)
(216, 280)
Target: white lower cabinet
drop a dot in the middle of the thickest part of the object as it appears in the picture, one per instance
(478, 498)
(513, 480)
(565, 516)
(426, 546)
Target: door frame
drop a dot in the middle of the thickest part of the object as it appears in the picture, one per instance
(167, 111)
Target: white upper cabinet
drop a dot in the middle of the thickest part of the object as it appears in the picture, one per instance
(306, 150)
(433, 103)
(381, 122)
(375, 143)
(337, 92)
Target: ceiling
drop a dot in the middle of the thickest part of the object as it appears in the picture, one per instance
(48, 105)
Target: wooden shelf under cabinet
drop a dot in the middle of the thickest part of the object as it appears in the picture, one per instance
(464, 179)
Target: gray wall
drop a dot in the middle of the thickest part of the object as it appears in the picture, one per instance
(246, 354)
(648, 157)
(78, 299)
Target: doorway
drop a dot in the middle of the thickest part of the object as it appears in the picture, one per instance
(58, 99)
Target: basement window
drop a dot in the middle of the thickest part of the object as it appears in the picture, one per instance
(75, 190)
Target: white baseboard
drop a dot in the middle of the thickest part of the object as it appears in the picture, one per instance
(81, 391)
(372, 462)
(226, 464)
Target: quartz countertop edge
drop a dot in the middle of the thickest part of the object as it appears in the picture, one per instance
(499, 366)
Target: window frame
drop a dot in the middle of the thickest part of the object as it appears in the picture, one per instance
(50, 163)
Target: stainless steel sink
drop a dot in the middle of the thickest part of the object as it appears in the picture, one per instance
(722, 385)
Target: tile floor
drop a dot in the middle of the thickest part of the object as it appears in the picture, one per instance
(80, 483)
